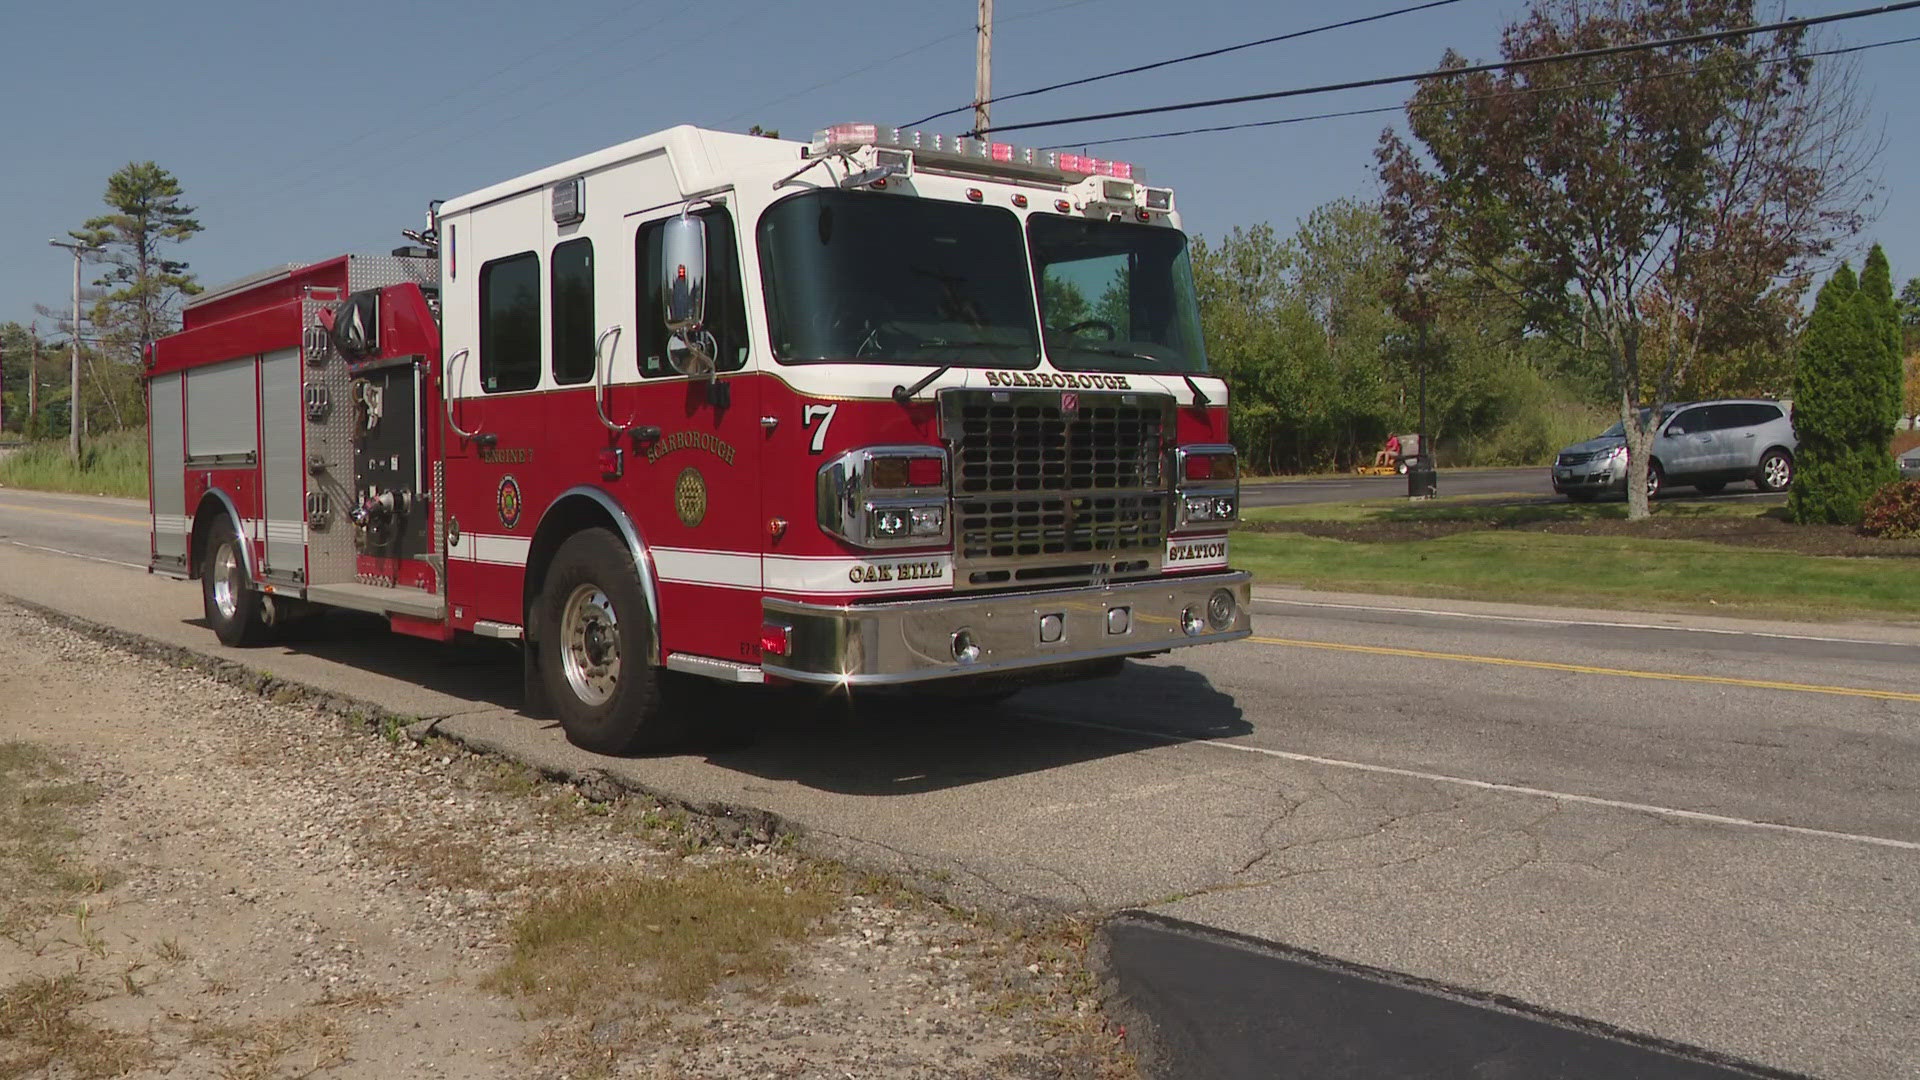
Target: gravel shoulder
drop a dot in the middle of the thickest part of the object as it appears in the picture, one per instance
(208, 882)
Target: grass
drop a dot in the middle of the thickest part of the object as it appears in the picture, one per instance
(41, 1025)
(677, 936)
(114, 463)
(1494, 511)
(38, 871)
(1599, 570)
(42, 1022)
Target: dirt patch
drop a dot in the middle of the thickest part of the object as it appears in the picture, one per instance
(219, 884)
(1769, 530)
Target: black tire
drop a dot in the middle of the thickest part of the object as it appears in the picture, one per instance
(1656, 480)
(592, 614)
(1710, 487)
(1776, 472)
(235, 611)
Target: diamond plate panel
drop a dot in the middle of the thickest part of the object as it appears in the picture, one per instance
(331, 558)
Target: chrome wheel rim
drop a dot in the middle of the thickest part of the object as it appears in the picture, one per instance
(590, 645)
(1779, 472)
(1653, 483)
(226, 581)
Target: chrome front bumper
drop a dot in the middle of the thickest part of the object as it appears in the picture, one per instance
(914, 640)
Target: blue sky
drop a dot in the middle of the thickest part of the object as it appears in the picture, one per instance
(303, 132)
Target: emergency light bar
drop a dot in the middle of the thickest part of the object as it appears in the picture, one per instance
(969, 155)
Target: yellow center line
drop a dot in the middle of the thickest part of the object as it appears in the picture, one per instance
(74, 514)
(1587, 669)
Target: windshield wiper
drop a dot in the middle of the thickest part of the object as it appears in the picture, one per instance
(1200, 397)
(905, 394)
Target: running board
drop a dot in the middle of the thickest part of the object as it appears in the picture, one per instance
(724, 670)
(381, 600)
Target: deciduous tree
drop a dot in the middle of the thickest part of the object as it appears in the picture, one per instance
(1652, 208)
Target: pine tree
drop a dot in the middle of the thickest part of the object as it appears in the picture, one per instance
(1838, 394)
(1876, 288)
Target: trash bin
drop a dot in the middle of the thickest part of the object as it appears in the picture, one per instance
(1422, 480)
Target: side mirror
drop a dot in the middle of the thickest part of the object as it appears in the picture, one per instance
(683, 267)
(683, 270)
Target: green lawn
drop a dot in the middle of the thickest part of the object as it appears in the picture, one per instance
(1527, 565)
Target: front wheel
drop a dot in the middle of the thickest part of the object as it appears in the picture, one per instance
(1656, 479)
(595, 633)
(234, 610)
(1776, 472)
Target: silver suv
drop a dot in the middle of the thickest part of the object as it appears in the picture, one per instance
(1705, 444)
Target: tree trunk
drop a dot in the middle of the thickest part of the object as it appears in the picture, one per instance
(1639, 458)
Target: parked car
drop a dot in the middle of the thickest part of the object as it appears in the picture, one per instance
(1910, 464)
(1705, 445)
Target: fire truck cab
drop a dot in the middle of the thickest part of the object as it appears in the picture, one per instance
(880, 408)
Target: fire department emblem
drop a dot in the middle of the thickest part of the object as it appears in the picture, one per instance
(506, 499)
(690, 497)
(1069, 404)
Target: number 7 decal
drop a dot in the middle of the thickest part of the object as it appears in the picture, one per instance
(824, 414)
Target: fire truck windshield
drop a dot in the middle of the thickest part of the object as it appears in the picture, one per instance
(886, 279)
(1115, 296)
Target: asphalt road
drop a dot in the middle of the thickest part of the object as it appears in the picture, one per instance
(1703, 830)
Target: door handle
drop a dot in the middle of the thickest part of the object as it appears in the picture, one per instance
(600, 379)
(1748, 435)
(446, 393)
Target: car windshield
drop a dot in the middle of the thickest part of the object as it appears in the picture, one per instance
(863, 277)
(1619, 428)
(1115, 296)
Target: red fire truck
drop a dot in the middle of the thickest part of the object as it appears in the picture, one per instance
(881, 408)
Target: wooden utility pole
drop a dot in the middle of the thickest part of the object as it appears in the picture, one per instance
(983, 67)
(33, 377)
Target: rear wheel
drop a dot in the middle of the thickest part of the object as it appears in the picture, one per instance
(595, 634)
(234, 610)
(1776, 472)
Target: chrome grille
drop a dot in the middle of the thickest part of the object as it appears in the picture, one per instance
(1025, 443)
(1046, 525)
(1045, 495)
(1576, 459)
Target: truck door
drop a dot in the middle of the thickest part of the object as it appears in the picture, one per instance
(693, 487)
(494, 291)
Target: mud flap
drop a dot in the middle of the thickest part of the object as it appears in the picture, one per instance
(533, 691)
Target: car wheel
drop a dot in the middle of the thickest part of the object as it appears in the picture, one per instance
(595, 632)
(1656, 479)
(1776, 472)
(1710, 487)
(234, 610)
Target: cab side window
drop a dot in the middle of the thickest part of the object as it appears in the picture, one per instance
(510, 323)
(726, 303)
(572, 288)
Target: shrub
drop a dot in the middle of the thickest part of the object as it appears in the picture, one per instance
(1893, 512)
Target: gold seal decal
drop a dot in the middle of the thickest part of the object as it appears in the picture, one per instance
(690, 497)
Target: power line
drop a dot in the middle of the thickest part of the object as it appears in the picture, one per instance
(1468, 99)
(1191, 56)
(922, 47)
(1473, 69)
